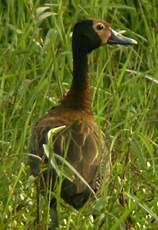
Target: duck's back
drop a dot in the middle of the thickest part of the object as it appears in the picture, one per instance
(77, 142)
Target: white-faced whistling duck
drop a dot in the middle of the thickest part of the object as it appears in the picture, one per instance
(74, 112)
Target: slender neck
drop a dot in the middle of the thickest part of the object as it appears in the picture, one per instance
(80, 71)
(79, 93)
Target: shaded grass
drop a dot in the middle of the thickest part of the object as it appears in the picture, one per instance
(35, 71)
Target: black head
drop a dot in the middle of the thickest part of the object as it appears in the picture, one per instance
(84, 37)
(90, 34)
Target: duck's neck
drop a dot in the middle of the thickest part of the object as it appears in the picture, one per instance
(78, 96)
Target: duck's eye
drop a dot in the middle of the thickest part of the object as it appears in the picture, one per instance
(99, 26)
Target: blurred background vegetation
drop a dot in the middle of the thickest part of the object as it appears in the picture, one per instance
(35, 72)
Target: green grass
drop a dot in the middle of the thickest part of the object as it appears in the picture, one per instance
(35, 71)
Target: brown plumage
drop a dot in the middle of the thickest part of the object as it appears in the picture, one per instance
(85, 150)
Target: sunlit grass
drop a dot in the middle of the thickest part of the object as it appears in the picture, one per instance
(35, 72)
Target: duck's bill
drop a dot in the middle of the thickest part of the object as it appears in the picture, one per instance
(118, 38)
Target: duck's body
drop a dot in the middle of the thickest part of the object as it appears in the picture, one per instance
(80, 135)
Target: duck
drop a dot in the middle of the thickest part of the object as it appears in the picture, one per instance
(79, 133)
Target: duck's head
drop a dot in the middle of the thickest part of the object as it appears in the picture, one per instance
(90, 34)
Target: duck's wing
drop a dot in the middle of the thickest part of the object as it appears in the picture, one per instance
(77, 143)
